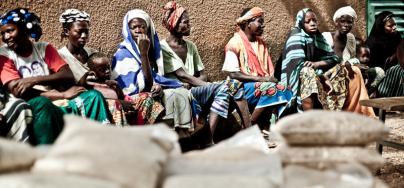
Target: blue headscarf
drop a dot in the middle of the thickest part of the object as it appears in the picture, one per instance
(126, 64)
(25, 20)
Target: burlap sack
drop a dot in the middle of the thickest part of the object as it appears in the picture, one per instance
(133, 157)
(317, 127)
(15, 155)
(217, 181)
(380, 184)
(341, 176)
(250, 137)
(242, 154)
(239, 153)
(237, 161)
(42, 150)
(328, 157)
(26, 180)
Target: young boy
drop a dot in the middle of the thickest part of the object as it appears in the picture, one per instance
(99, 76)
(139, 109)
(371, 76)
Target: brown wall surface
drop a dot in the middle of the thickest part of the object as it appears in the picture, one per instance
(213, 21)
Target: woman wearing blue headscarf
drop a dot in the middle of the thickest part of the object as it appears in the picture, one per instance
(138, 67)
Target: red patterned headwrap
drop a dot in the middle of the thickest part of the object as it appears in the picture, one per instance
(172, 14)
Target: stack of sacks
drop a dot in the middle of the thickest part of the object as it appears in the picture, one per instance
(239, 162)
(88, 154)
(324, 140)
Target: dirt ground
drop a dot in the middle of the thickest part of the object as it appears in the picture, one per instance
(392, 172)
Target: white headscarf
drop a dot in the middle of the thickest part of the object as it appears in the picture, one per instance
(126, 64)
(155, 44)
(348, 10)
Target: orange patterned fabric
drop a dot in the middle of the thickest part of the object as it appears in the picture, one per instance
(251, 63)
(356, 92)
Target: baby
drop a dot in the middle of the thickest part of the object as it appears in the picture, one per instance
(139, 109)
(99, 77)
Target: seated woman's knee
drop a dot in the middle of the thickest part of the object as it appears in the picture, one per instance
(40, 102)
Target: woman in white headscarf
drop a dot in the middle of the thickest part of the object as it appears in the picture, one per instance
(344, 44)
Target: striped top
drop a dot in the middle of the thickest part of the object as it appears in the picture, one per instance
(392, 85)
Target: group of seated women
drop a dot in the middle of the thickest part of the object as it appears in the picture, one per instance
(150, 80)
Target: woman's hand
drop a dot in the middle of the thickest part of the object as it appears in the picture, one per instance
(269, 79)
(326, 83)
(143, 43)
(22, 85)
(115, 86)
(73, 92)
(186, 85)
(127, 106)
(311, 64)
(128, 109)
(351, 72)
(156, 90)
(88, 76)
(328, 87)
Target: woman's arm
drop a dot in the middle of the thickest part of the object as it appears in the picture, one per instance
(68, 94)
(248, 78)
(12, 88)
(187, 78)
(19, 87)
(317, 65)
(201, 75)
(144, 45)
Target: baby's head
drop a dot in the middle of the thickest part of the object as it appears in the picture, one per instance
(100, 65)
(363, 53)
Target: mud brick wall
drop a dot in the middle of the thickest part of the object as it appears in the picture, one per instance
(213, 21)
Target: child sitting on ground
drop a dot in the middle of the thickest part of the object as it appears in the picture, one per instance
(371, 76)
(139, 109)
